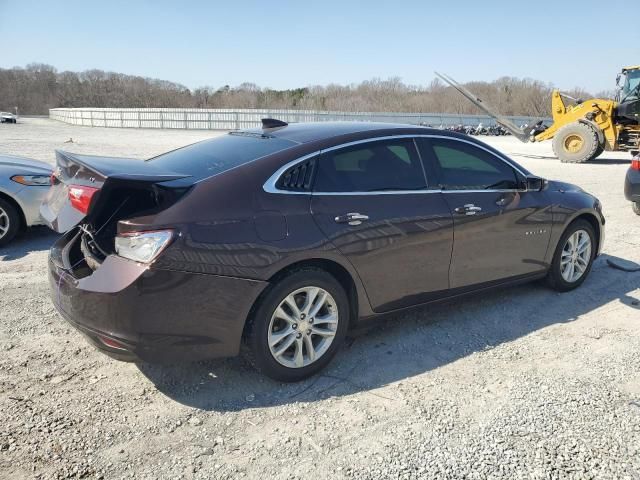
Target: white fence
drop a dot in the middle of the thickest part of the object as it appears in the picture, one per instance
(229, 119)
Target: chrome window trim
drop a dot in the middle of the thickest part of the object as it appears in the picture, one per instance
(270, 185)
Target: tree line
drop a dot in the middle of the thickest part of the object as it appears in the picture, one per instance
(36, 88)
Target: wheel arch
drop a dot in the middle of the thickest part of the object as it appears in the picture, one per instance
(597, 228)
(9, 199)
(583, 215)
(338, 271)
(595, 128)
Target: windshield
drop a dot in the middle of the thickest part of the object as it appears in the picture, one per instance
(219, 154)
(631, 82)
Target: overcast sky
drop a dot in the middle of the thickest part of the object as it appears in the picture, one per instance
(285, 44)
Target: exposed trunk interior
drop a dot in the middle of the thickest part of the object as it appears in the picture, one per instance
(119, 200)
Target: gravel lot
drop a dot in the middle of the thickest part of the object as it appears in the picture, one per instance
(520, 383)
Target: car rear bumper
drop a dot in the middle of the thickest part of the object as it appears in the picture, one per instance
(136, 313)
(632, 185)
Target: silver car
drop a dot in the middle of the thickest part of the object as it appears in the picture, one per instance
(8, 117)
(23, 185)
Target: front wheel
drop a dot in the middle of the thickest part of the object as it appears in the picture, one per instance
(575, 143)
(9, 222)
(636, 207)
(298, 325)
(573, 257)
(599, 151)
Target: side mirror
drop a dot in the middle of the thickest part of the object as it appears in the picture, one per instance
(535, 184)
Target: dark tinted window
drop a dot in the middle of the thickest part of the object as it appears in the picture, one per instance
(298, 178)
(462, 166)
(382, 165)
(219, 154)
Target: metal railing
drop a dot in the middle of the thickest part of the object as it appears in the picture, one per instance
(233, 119)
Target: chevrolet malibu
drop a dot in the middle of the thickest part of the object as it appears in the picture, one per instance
(284, 237)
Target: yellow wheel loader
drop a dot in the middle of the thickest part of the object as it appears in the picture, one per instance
(581, 129)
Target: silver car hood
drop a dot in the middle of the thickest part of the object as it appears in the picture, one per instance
(25, 165)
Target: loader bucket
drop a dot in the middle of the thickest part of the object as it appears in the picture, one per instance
(524, 135)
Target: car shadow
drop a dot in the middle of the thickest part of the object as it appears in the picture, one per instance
(34, 239)
(595, 161)
(400, 347)
(610, 161)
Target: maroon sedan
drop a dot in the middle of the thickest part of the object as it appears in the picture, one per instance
(286, 236)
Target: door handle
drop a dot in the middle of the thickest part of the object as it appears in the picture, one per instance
(468, 209)
(352, 218)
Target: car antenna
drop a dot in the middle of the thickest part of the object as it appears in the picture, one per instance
(273, 123)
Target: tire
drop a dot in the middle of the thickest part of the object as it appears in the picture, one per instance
(558, 280)
(636, 207)
(9, 222)
(599, 152)
(575, 143)
(268, 328)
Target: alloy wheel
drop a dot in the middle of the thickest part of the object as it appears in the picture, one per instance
(576, 255)
(5, 223)
(303, 327)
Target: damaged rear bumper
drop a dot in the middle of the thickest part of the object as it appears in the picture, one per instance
(134, 312)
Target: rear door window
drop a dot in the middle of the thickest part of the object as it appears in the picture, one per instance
(369, 167)
(462, 166)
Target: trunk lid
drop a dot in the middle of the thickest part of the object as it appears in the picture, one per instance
(82, 185)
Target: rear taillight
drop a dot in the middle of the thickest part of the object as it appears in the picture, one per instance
(143, 247)
(635, 163)
(80, 197)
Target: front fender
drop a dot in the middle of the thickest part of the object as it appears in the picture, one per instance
(569, 206)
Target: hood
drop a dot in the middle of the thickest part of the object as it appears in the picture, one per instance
(559, 186)
(25, 165)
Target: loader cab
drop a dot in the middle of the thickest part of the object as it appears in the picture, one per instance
(628, 83)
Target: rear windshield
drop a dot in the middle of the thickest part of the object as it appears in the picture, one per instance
(219, 154)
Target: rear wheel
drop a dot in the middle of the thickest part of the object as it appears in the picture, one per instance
(576, 143)
(9, 222)
(298, 326)
(573, 257)
(636, 207)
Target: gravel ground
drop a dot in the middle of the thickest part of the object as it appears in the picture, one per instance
(520, 383)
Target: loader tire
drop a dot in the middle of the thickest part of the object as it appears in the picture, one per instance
(575, 143)
(598, 152)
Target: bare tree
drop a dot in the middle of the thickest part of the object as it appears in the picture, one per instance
(36, 88)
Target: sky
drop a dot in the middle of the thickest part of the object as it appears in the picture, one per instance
(287, 44)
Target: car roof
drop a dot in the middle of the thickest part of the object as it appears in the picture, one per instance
(303, 133)
(313, 131)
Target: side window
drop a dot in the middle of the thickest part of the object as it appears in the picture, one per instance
(462, 166)
(370, 167)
